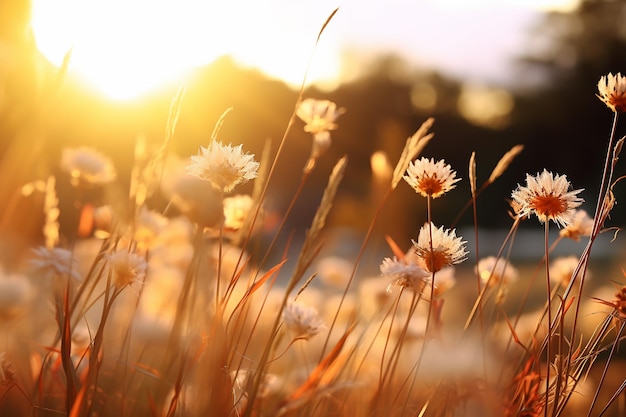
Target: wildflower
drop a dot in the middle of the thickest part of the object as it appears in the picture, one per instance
(103, 221)
(404, 274)
(562, 269)
(303, 321)
(149, 225)
(445, 249)
(241, 380)
(87, 167)
(620, 302)
(612, 89)
(236, 210)
(334, 271)
(430, 179)
(320, 117)
(55, 262)
(581, 225)
(224, 166)
(446, 279)
(126, 268)
(548, 197)
(15, 294)
(493, 271)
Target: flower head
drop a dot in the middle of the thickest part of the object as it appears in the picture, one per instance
(319, 117)
(581, 225)
(620, 302)
(87, 166)
(334, 271)
(236, 211)
(562, 269)
(548, 197)
(405, 274)
(304, 322)
(493, 270)
(149, 224)
(15, 294)
(224, 166)
(430, 178)
(126, 268)
(443, 250)
(612, 91)
(55, 262)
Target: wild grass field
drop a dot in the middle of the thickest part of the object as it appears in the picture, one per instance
(207, 307)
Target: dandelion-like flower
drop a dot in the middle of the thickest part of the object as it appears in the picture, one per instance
(304, 322)
(430, 178)
(224, 166)
(581, 225)
(149, 225)
(612, 91)
(15, 294)
(236, 211)
(562, 269)
(126, 268)
(445, 249)
(493, 271)
(446, 276)
(55, 262)
(319, 117)
(405, 274)
(87, 167)
(620, 302)
(548, 197)
(334, 271)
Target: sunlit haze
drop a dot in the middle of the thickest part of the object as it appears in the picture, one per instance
(127, 48)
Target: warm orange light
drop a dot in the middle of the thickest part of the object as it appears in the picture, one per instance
(128, 47)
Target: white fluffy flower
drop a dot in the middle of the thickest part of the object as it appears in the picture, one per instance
(15, 294)
(55, 262)
(126, 268)
(547, 196)
(405, 274)
(87, 166)
(304, 322)
(236, 210)
(224, 166)
(319, 117)
(445, 249)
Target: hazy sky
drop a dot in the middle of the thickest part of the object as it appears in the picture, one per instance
(128, 46)
(474, 39)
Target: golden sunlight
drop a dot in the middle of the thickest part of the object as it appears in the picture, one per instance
(126, 48)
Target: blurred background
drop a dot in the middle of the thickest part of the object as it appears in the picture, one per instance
(492, 74)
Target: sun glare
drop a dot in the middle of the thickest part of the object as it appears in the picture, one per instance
(125, 48)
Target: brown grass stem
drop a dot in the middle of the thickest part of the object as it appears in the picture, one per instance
(606, 367)
(549, 308)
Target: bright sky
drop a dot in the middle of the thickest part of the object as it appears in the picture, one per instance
(127, 47)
